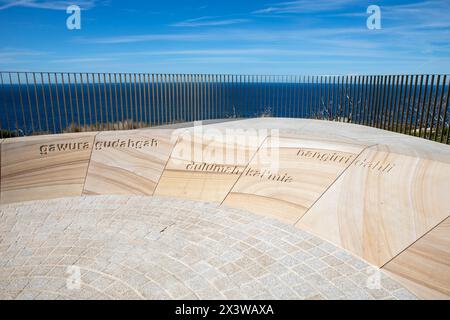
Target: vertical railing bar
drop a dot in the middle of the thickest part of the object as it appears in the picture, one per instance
(38, 112)
(64, 101)
(44, 102)
(118, 118)
(150, 97)
(30, 109)
(388, 101)
(327, 90)
(352, 98)
(411, 106)
(141, 115)
(153, 100)
(370, 100)
(107, 105)
(381, 102)
(52, 106)
(92, 111)
(194, 96)
(253, 94)
(111, 108)
(404, 104)
(445, 116)
(202, 98)
(21, 103)
(418, 105)
(100, 104)
(440, 108)
(126, 110)
(374, 102)
(385, 101)
(436, 93)
(164, 111)
(76, 99)
(363, 96)
(367, 95)
(330, 90)
(185, 92)
(222, 96)
(400, 102)
(82, 100)
(190, 109)
(311, 95)
(430, 97)
(8, 122)
(301, 88)
(69, 84)
(289, 89)
(168, 96)
(135, 104)
(210, 101)
(296, 97)
(144, 105)
(328, 87)
(177, 95)
(201, 115)
(57, 101)
(423, 105)
(129, 88)
(360, 97)
(357, 104)
(349, 98)
(346, 99)
(408, 106)
(198, 97)
(88, 90)
(396, 103)
(339, 97)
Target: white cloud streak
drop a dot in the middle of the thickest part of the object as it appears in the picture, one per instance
(208, 22)
(46, 4)
(304, 6)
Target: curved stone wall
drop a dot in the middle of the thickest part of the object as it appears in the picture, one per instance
(372, 192)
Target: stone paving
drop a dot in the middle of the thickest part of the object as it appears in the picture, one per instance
(133, 247)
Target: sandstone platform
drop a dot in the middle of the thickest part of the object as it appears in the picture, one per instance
(377, 196)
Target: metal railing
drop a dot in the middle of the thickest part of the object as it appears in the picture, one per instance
(48, 102)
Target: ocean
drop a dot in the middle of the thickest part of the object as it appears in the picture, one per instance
(52, 108)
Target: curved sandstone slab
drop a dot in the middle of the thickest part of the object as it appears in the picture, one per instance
(381, 204)
(206, 165)
(289, 173)
(44, 167)
(424, 266)
(128, 162)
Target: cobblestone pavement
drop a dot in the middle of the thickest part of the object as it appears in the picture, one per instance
(132, 247)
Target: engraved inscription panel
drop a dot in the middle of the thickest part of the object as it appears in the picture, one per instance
(44, 167)
(128, 162)
(288, 174)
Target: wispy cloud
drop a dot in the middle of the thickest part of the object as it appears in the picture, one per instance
(207, 22)
(304, 6)
(237, 34)
(47, 4)
(15, 52)
(15, 56)
(82, 60)
(144, 38)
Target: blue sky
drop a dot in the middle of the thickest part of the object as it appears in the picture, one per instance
(235, 37)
